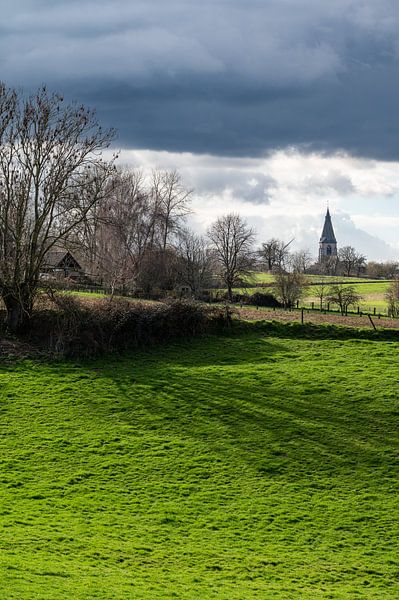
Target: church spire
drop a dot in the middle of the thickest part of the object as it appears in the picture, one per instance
(328, 242)
(328, 235)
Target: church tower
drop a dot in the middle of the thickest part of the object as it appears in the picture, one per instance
(328, 243)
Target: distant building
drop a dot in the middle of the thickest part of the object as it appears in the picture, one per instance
(62, 264)
(328, 242)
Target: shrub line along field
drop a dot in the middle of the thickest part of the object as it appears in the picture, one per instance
(261, 464)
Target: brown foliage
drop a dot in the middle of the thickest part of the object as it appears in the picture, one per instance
(76, 328)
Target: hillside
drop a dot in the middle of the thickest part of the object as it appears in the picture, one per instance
(250, 466)
(372, 291)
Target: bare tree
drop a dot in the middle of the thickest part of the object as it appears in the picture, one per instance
(361, 264)
(138, 221)
(321, 290)
(232, 240)
(392, 298)
(329, 266)
(51, 176)
(343, 296)
(159, 271)
(170, 199)
(382, 270)
(274, 253)
(351, 260)
(300, 261)
(289, 287)
(196, 261)
(120, 231)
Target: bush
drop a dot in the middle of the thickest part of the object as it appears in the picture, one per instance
(78, 328)
(259, 299)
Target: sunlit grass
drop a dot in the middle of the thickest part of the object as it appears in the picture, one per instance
(372, 292)
(258, 465)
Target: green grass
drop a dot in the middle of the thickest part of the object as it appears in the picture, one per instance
(86, 294)
(260, 278)
(372, 296)
(259, 465)
(372, 291)
(257, 277)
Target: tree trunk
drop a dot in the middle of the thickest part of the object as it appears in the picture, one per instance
(229, 291)
(19, 311)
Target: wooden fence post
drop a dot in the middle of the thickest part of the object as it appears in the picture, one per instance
(372, 322)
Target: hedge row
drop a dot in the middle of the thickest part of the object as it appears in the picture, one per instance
(76, 328)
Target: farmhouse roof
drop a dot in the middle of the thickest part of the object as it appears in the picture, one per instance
(328, 236)
(59, 258)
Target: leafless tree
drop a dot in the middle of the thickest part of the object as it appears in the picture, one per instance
(51, 176)
(122, 229)
(392, 298)
(196, 262)
(329, 266)
(300, 261)
(321, 289)
(343, 296)
(351, 260)
(232, 240)
(274, 253)
(159, 271)
(170, 198)
(139, 220)
(289, 287)
(382, 270)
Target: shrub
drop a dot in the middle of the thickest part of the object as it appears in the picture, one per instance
(78, 328)
(259, 299)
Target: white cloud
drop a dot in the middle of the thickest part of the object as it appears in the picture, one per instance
(286, 195)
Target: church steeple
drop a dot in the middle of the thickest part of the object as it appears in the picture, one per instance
(328, 242)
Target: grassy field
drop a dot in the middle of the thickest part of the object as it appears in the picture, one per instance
(258, 465)
(372, 291)
(269, 278)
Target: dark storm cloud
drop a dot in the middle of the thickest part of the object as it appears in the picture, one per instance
(236, 77)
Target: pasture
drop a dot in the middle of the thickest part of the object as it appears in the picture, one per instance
(372, 292)
(256, 465)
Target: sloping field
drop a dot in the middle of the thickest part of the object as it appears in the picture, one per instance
(372, 292)
(256, 465)
(261, 277)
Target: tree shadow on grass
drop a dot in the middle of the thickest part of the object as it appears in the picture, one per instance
(312, 331)
(276, 424)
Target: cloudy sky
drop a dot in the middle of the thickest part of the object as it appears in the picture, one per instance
(272, 108)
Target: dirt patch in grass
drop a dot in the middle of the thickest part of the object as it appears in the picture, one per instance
(310, 316)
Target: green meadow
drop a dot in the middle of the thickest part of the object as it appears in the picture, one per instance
(262, 277)
(372, 292)
(259, 464)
